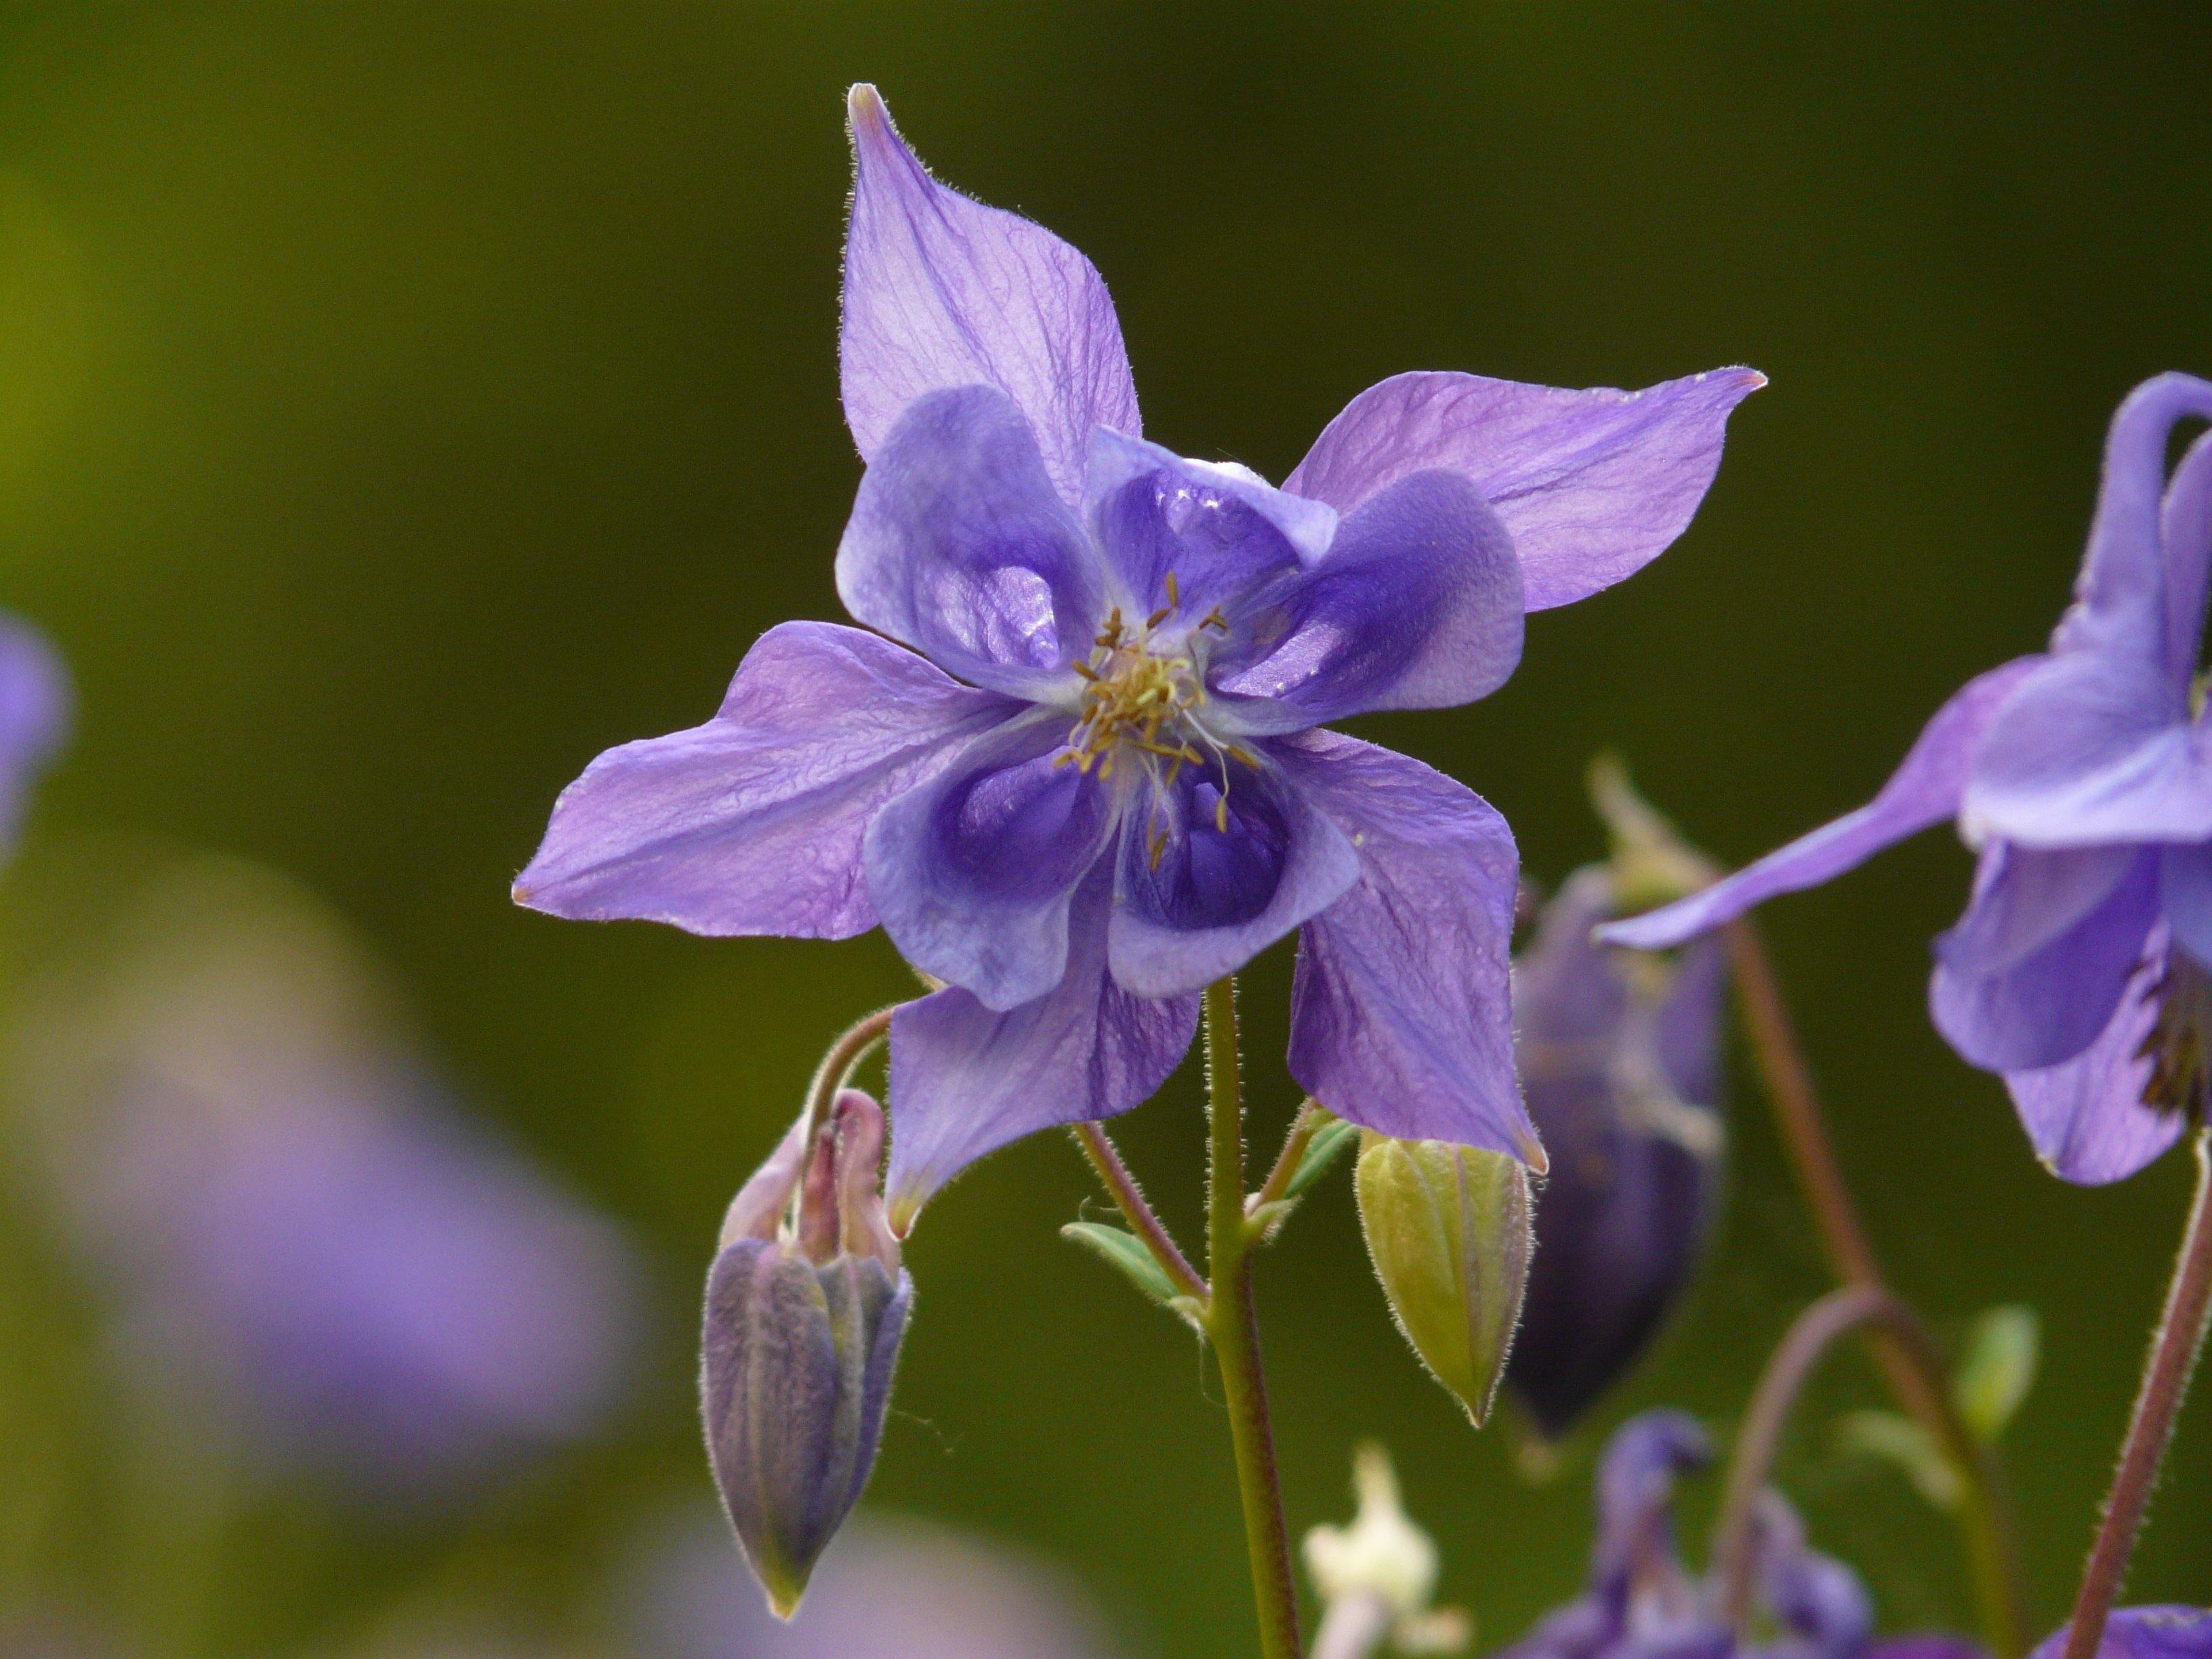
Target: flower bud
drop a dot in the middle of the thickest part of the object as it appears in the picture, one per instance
(806, 1309)
(1448, 1228)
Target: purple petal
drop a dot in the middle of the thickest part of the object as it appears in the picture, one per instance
(1402, 1013)
(2086, 1118)
(1417, 605)
(2186, 530)
(2157, 1632)
(965, 1081)
(941, 291)
(36, 708)
(1218, 529)
(2185, 896)
(1925, 790)
(958, 546)
(752, 822)
(1817, 1600)
(1233, 873)
(973, 871)
(2045, 1001)
(1635, 1493)
(1592, 485)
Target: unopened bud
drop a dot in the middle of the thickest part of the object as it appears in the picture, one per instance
(806, 1309)
(1448, 1228)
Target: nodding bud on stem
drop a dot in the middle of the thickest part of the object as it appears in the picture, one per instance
(1448, 1228)
(806, 1308)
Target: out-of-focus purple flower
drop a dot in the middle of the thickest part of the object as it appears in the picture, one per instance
(806, 1306)
(2084, 776)
(1620, 1064)
(36, 704)
(289, 1215)
(2156, 1633)
(1085, 774)
(886, 1589)
(1642, 1602)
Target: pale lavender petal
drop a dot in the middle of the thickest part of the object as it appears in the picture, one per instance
(1592, 485)
(2044, 1005)
(1219, 529)
(1635, 1493)
(1207, 881)
(2086, 1118)
(1417, 605)
(1922, 791)
(2186, 528)
(1402, 1013)
(752, 822)
(2024, 899)
(2185, 897)
(2153, 1632)
(965, 1081)
(942, 291)
(973, 871)
(958, 546)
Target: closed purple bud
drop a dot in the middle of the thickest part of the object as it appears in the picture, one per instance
(806, 1306)
(1619, 1061)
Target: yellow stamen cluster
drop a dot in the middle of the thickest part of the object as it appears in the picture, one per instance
(1138, 697)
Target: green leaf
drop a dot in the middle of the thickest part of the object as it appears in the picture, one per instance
(1126, 1251)
(1327, 1145)
(1997, 1370)
(1900, 1440)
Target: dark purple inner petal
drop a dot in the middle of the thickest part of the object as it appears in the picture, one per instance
(1011, 832)
(1222, 858)
(1216, 546)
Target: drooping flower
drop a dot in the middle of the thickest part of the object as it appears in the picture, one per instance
(1641, 1603)
(1620, 1059)
(309, 1253)
(35, 703)
(1078, 772)
(807, 1307)
(2084, 777)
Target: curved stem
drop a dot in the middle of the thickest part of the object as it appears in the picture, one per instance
(1834, 1316)
(1913, 1371)
(1304, 1128)
(2173, 1351)
(838, 1065)
(1233, 1324)
(1129, 1198)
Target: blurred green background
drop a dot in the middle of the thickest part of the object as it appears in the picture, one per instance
(400, 402)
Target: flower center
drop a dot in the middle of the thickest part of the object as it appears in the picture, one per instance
(2180, 1041)
(1143, 689)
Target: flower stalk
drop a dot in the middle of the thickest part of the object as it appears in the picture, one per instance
(2175, 1349)
(1129, 1198)
(1910, 1363)
(1232, 1323)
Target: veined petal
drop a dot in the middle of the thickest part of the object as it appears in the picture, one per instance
(1218, 529)
(1925, 790)
(958, 547)
(1592, 485)
(1417, 605)
(2042, 1005)
(966, 1080)
(752, 822)
(1401, 1012)
(2086, 1117)
(1208, 880)
(973, 871)
(941, 291)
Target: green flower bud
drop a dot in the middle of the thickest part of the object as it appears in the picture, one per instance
(1448, 1229)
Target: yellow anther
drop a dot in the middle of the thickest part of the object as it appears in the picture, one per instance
(1221, 813)
(1157, 618)
(1237, 753)
(1159, 846)
(1087, 671)
(1174, 594)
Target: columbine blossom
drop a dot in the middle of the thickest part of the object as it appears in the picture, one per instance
(2083, 775)
(1642, 1603)
(1619, 1061)
(1078, 771)
(2154, 1632)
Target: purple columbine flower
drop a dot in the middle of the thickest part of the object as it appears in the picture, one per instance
(1642, 1603)
(1078, 772)
(2154, 1632)
(2084, 777)
(36, 704)
(1620, 1059)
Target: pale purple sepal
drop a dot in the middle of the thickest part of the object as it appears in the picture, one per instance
(958, 547)
(941, 291)
(1593, 485)
(2086, 1117)
(2184, 880)
(753, 823)
(1154, 510)
(2153, 1632)
(1925, 790)
(966, 1080)
(1401, 1011)
(36, 704)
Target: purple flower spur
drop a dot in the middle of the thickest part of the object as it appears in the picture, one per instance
(2084, 777)
(1078, 772)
